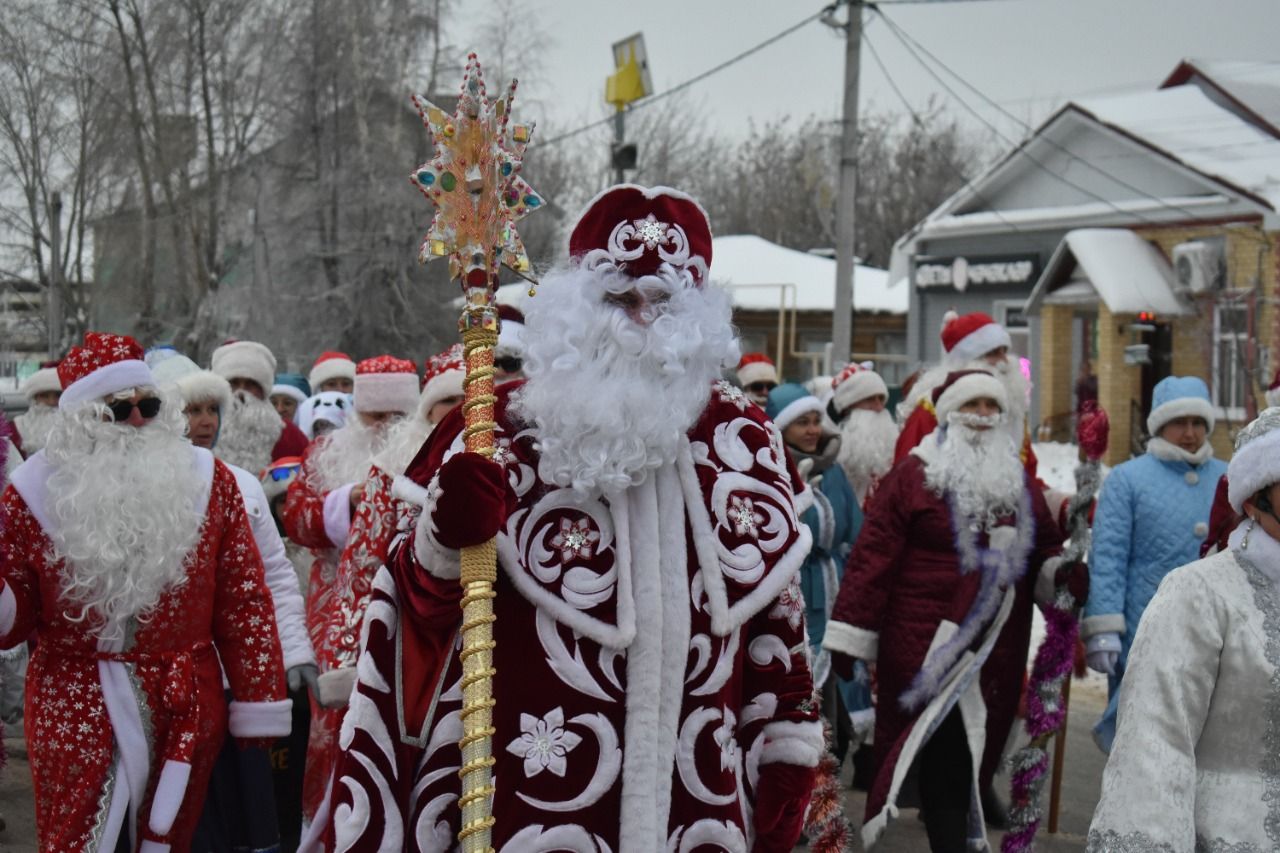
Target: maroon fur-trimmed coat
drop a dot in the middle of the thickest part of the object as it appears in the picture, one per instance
(903, 594)
(652, 679)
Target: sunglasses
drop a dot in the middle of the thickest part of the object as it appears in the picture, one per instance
(148, 407)
(508, 364)
(761, 387)
(284, 472)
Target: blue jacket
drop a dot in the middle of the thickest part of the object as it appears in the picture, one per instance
(834, 519)
(1152, 516)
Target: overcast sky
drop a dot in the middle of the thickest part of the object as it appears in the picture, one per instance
(1028, 55)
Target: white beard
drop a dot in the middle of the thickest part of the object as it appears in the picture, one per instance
(34, 426)
(123, 501)
(403, 441)
(611, 400)
(867, 441)
(979, 469)
(345, 455)
(248, 433)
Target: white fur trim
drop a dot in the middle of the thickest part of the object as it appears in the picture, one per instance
(439, 561)
(330, 368)
(171, 790)
(858, 387)
(8, 608)
(978, 343)
(260, 719)
(1183, 407)
(440, 387)
(787, 742)
(288, 391)
(204, 385)
(386, 392)
(1254, 466)
(757, 371)
(114, 377)
(804, 499)
(1104, 623)
(1045, 588)
(149, 846)
(851, 640)
(408, 491)
(337, 514)
(1272, 397)
(967, 388)
(44, 379)
(245, 360)
(126, 726)
(796, 409)
(335, 687)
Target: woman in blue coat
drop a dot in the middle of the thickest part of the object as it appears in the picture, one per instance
(834, 519)
(1152, 515)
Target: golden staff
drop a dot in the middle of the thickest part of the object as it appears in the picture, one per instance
(474, 181)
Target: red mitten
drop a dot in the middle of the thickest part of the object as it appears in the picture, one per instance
(474, 501)
(782, 795)
(1075, 576)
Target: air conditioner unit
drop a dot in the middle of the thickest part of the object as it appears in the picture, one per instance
(1200, 266)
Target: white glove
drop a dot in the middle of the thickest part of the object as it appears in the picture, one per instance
(1102, 651)
(304, 674)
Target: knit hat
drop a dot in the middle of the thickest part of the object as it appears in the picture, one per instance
(1179, 397)
(511, 334)
(963, 386)
(386, 384)
(245, 360)
(756, 367)
(43, 380)
(444, 373)
(192, 382)
(331, 365)
(971, 336)
(788, 402)
(103, 365)
(637, 229)
(1256, 462)
(854, 384)
(293, 385)
(1272, 394)
(332, 406)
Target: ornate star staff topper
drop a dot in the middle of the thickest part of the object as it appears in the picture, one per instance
(474, 181)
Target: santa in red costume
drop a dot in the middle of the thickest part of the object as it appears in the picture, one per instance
(318, 514)
(653, 692)
(129, 552)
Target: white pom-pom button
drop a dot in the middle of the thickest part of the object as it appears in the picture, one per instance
(1191, 477)
(1201, 529)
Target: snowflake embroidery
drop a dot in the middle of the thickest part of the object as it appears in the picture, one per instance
(544, 743)
(728, 744)
(576, 539)
(651, 231)
(732, 394)
(790, 605)
(746, 521)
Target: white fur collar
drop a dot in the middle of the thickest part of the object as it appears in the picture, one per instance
(1167, 452)
(1262, 552)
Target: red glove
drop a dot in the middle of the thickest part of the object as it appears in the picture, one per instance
(1075, 577)
(782, 795)
(474, 501)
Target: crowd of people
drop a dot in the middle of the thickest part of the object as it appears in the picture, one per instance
(239, 587)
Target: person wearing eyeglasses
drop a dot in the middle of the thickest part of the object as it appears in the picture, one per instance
(1193, 762)
(757, 376)
(129, 551)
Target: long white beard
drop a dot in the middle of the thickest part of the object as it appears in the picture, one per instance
(34, 426)
(123, 501)
(345, 455)
(978, 468)
(867, 440)
(611, 399)
(403, 441)
(248, 433)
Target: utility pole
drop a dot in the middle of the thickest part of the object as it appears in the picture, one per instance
(629, 83)
(619, 139)
(53, 316)
(842, 316)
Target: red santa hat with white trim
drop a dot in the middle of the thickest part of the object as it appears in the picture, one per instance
(756, 367)
(510, 334)
(332, 365)
(386, 384)
(637, 230)
(967, 337)
(964, 386)
(444, 373)
(245, 360)
(103, 365)
(42, 381)
(856, 383)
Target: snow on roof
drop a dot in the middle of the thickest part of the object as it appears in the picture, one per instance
(1127, 273)
(754, 270)
(1185, 124)
(1254, 85)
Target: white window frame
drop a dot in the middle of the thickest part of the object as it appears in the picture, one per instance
(1239, 342)
(1019, 336)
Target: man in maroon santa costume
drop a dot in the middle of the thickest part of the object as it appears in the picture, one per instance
(253, 435)
(955, 542)
(128, 550)
(318, 513)
(652, 689)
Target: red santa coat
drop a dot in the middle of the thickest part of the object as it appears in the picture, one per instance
(650, 650)
(114, 729)
(904, 596)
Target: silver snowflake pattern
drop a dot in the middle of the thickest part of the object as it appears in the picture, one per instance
(502, 454)
(789, 605)
(732, 394)
(651, 231)
(544, 743)
(576, 539)
(746, 521)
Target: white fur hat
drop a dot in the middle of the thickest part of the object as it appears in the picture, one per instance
(245, 360)
(856, 383)
(1256, 462)
(43, 380)
(193, 383)
(331, 365)
(963, 386)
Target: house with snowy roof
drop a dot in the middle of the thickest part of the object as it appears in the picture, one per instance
(1131, 237)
